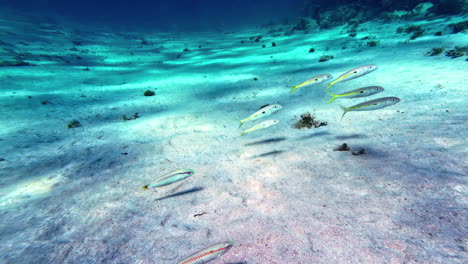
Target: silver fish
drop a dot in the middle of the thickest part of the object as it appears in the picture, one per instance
(354, 73)
(264, 111)
(314, 80)
(170, 178)
(371, 105)
(263, 125)
(360, 92)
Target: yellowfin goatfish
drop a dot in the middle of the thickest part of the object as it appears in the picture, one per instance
(170, 178)
(371, 105)
(314, 80)
(354, 73)
(208, 254)
(264, 124)
(361, 92)
(264, 111)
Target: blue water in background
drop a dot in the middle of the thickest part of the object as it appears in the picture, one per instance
(207, 15)
(179, 14)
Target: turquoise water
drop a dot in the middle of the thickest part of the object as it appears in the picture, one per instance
(95, 109)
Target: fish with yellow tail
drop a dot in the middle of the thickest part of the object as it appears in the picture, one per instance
(208, 254)
(371, 105)
(314, 80)
(264, 111)
(361, 92)
(354, 73)
(263, 125)
(169, 178)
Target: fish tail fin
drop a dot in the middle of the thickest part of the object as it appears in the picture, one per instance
(241, 123)
(334, 96)
(145, 187)
(293, 88)
(328, 86)
(345, 110)
(243, 133)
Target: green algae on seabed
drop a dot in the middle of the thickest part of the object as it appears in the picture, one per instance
(456, 52)
(435, 51)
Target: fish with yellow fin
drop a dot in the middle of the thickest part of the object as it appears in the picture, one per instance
(356, 93)
(263, 125)
(265, 110)
(371, 105)
(352, 74)
(314, 80)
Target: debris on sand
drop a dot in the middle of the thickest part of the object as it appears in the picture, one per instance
(308, 121)
(73, 124)
(359, 152)
(435, 51)
(326, 58)
(148, 93)
(128, 118)
(342, 147)
(456, 52)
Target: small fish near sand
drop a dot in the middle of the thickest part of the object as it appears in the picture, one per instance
(354, 73)
(264, 111)
(170, 178)
(361, 92)
(312, 81)
(371, 105)
(263, 125)
(208, 254)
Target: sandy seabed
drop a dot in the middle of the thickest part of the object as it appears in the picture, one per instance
(282, 195)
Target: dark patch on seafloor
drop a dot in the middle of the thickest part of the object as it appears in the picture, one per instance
(308, 121)
(342, 147)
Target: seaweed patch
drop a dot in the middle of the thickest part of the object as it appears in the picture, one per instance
(308, 121)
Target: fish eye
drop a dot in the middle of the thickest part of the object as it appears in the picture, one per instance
(263, 112)
(355, 71)
(316, 79)
(361, 92)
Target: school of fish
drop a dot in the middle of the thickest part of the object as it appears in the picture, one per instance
(215, 251)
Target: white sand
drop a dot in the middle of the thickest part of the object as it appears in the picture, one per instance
(281, 195)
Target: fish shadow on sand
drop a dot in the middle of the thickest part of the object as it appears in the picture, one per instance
(370, 153)
(275, 152)
(266, 141)
(316, 134)
(307, 71)
(195, 189)
(354, 136)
